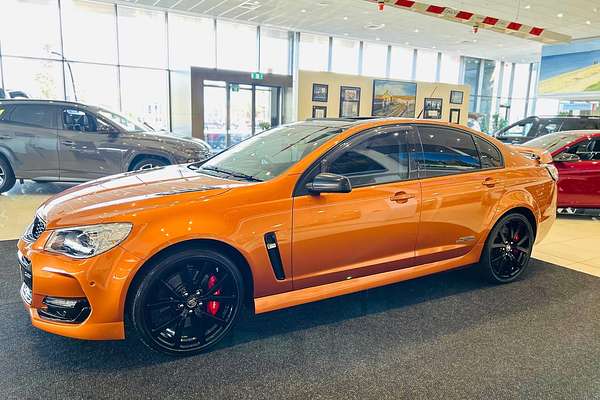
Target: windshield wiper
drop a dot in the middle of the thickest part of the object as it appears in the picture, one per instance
(233, 173)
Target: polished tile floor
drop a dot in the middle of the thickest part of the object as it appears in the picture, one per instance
(573, 242)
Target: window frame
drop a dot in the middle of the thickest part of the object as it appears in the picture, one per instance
(62, 125)
(12, 107)
(479, 152)
(474, 170)
(320, 163)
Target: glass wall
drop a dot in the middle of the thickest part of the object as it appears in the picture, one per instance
(374, 59)
(274, 51)
(450, 68)
(401, 63)
(344, 56)
(427, 61)
(314, 50)
(237, 46)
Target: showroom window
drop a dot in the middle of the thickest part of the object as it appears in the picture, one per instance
(191, 42)
(450, 68)
(144, 95)
(142, 37)
(314, 52)
(40, 79)
(274, 51)
(378, 159)
(236, 46)
(446, 151)
(344, 56)
(181, 103)
(40, 37)
(427, 61)
(374, 59)
(401, 63)
(89, 31)
(94, 84)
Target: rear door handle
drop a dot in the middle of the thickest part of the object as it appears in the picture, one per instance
(489, 182)
(5, 137)
(402, 197)
(68, 143)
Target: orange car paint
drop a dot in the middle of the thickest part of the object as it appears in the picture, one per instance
(443, 223)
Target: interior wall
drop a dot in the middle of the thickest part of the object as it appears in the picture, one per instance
(336, 81)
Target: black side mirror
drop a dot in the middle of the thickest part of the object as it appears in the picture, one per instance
(329, 183)
(566, 157)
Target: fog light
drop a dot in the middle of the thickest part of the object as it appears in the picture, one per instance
(58, 302)
(61, 309)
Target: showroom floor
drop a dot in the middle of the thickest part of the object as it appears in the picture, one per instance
(570, 244)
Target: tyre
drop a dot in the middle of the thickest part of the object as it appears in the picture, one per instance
(508, 249)
(187, 302)
(148, 163)
(7, 176)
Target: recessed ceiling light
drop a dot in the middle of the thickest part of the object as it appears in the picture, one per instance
(303, 10)
(474, 40)
(374, 27)
(377, 38)
(416, 30)
(560, 15)
(406, 43)
(323, 4)
(588, 22)
(345, 34)
(528, 6)
(345, 18)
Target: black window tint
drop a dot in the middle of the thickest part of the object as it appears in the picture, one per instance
(2, 112)
(77, 120)
(587, 150)
(446, 151)
(595, 150)
(550, 126)
(488, 153)
(379, 159)
(33, 115)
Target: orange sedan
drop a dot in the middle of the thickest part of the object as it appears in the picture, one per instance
(296, 214)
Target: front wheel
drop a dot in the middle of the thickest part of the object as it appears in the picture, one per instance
(508, 249)
(7, 176)
(148, 163)
(188, 302)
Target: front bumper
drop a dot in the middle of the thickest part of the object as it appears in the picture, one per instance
(92, 291)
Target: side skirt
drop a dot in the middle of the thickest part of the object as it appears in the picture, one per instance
(308, 295)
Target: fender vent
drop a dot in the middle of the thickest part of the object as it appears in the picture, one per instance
(274, 256)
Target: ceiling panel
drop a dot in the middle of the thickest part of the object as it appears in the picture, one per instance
(348, 18)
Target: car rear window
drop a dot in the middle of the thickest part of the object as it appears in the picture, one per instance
(446, 151)
(35, 115)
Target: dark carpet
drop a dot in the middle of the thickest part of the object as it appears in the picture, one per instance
(447, 336)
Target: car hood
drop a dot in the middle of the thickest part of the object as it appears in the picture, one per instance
(169, 138)
(128, 193)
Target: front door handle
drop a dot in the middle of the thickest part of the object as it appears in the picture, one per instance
(68, 143)
(402, 197)
(5, 137)
(490, 182)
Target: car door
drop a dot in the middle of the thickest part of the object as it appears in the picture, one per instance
(372, 229)
(89, 147)
(29, 133)
(459, 192)
(579, 181)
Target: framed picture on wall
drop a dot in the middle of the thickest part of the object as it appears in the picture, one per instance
(394, 98)
(432, 109)
(454, 116)
(319, 112)
(320, 92)
(456, 97)
(349, 101)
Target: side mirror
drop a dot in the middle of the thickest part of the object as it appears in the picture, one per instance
(566, 157)
(329, 183)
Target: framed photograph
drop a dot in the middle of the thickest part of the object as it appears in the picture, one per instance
(432, 108)
(454, 116)
(319, 112)
(394, 98)
(349, 101)
(320, 92)
(456, 97)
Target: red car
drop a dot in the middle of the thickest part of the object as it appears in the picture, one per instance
(576, 155)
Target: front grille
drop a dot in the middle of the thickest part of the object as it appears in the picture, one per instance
(35, 230)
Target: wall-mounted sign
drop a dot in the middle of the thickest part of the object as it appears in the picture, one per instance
(259, 76)
(235, 87)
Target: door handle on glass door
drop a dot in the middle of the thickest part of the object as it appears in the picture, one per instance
(490, 182)
(402, 197)
(69, 143)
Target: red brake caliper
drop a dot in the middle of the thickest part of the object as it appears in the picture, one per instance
(516, 240)
(213, 306)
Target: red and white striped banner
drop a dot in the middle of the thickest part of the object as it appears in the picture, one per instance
(479, 21)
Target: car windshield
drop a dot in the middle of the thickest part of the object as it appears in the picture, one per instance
(551, 142)
(124, 123)
(268, 154)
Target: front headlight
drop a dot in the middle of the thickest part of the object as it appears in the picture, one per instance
(87, 241)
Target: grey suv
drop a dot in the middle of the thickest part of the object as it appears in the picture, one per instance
(52, 141)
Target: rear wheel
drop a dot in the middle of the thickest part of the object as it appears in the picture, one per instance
(188, 302)
(7, 176)
(508, 249)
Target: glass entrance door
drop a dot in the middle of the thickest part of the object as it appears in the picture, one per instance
(234, 112)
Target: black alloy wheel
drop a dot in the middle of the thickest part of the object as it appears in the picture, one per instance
(7, 177)
(148, 163)
(508, 249)
(188, 302)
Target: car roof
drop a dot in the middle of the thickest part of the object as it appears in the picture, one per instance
(46, 102)
(579, 133)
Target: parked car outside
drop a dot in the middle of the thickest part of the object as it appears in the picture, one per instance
(576, 155)
(12, 94)
(55, 141)
(533, 127)
(296, 214)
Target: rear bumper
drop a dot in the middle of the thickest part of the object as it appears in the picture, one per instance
(99, 283)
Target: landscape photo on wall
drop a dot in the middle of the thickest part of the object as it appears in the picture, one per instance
(394, 98)
(570, 68)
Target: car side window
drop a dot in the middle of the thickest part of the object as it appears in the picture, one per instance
(519, 130)
(78, 120)
(550, 126)
(587, 150)
(446, 151)
(39, 116)
(488, 153)
(382, 158)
